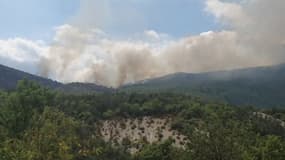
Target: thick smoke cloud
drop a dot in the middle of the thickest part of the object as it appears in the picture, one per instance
(254, 37)
(21, 53)
(258, 24)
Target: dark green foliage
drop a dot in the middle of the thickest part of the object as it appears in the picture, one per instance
(39, 124)
(9, 78)
(31, 130)
(260, 86)
(162, 151)
(18, 107)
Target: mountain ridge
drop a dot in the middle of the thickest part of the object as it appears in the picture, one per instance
(258, 86)
(10, 76)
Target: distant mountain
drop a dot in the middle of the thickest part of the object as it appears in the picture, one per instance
(259, 86)
(9, 78)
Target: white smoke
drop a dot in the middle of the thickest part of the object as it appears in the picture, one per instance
(254, 36)
(21, 53)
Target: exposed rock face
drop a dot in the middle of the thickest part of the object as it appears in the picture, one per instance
(134, 132)
(269, 117)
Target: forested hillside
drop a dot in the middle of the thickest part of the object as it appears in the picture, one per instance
(259, 86)
(41, 124)
(9, 78)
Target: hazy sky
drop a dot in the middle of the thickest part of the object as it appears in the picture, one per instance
(112, 42)
(36, 19)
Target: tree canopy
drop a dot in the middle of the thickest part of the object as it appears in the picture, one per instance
(39, 124)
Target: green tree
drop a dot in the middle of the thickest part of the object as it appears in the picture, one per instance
(269, 148)
(163, 151)
(18, 107)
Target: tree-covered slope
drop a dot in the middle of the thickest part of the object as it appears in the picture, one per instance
(260, 86)
(37, 123)
(9, 78)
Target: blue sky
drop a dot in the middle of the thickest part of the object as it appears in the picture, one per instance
(69, 40)
(36, 19)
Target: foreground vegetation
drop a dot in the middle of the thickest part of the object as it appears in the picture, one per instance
(39, 124)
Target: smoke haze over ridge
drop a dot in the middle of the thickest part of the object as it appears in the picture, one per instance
(253, 35)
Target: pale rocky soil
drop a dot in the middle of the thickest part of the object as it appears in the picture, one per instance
(269, 117)
(135, 131)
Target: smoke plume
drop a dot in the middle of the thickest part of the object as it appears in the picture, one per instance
(254, 36)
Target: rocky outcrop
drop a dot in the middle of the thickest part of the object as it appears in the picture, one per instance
(134, 132)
